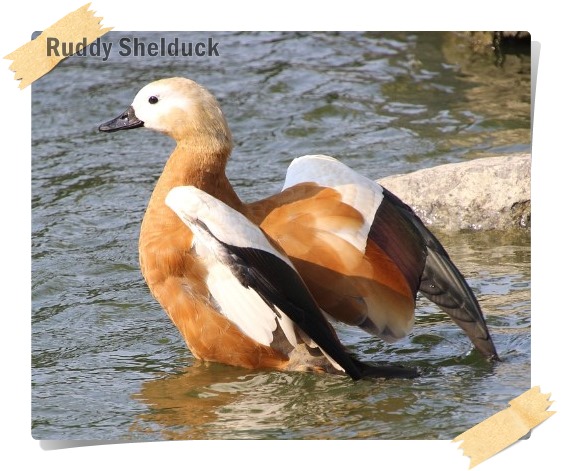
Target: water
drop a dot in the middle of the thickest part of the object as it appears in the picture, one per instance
(106, 361)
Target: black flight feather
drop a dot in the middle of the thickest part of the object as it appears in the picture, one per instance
(441, 281)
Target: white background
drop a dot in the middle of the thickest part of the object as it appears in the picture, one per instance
(15, 270)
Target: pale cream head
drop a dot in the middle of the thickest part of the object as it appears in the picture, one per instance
(184, 110)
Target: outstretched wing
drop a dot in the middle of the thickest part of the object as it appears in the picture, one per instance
(363, 253)
(322, 219)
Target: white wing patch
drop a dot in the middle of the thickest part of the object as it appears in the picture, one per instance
(245, 308)
(356, 190)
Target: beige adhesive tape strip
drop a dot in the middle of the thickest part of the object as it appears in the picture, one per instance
(31, 60)
(504, 428)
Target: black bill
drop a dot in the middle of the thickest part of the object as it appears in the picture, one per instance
(127, 120)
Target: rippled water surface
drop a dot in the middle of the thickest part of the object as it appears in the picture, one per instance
(108, 364)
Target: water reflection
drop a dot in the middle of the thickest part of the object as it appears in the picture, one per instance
(216, 402)
(212, 401)
(181, 405)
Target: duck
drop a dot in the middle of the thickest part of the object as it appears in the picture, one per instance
(260, 285)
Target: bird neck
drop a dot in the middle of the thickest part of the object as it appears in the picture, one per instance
(191, 165)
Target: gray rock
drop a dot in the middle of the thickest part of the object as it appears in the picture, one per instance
(482, 194)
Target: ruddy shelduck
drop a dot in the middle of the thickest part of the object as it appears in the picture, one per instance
(255, 284)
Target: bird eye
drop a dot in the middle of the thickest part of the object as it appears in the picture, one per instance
(153, 99)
